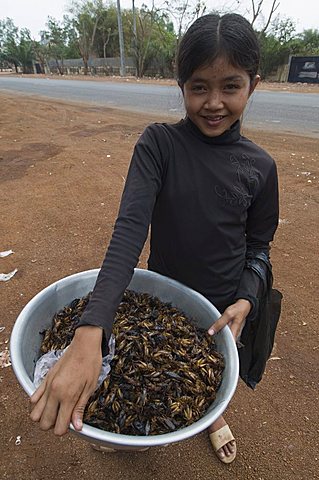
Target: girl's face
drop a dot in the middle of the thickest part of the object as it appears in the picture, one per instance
(215, 96)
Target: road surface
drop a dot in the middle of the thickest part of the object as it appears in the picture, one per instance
(297, 113)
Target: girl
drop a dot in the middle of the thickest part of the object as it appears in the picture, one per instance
(210, 196)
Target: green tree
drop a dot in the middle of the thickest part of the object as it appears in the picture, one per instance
(154, 42)
(72, 46)
(275, 46)
(107, 39)
(25, 51)
(16, 47)
(86, 17)
(9, 40)
(309, 42)
(54, 40)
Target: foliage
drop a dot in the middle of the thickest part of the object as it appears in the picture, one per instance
(154, 42)
(283, 41)
(86, 17)
(275, 46)
(107, 39)
(273, 54)
(16, 47)
(308, 42)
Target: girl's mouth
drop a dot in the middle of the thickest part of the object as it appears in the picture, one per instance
(214, 121)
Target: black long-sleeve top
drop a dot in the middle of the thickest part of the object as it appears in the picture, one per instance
(209, 202)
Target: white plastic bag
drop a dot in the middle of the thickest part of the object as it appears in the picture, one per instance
(49, 359)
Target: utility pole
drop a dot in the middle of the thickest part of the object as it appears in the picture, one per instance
(134, 19)
(121, 39)
(134, 34)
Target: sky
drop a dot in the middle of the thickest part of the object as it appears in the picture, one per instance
(33, 14)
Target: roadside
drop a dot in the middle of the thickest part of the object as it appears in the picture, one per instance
(300, 87)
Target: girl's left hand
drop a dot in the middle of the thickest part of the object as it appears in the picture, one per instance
(234, 316)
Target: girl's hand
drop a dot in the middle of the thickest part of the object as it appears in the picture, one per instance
(63, 394)
(234, 316)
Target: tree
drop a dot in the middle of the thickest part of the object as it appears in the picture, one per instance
(257, 13)
(106, 43)
(284, 29)
(273, 54)
(16, 47)
(309, 42)
(144, 32)
(87, 16)
(154, 40)
(25, 51)
(54, 41)
(184, 12)
(9, 39)
(107, 32)
(275, 45)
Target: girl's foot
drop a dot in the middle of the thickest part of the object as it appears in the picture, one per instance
(222, 440)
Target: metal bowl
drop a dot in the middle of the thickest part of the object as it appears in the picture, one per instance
(38, 313)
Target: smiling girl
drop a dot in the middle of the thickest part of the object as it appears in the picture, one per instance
(210, 196)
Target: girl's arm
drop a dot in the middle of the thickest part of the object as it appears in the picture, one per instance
(66, 389)
(142, 186)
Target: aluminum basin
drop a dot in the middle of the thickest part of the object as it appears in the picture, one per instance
(38, 313)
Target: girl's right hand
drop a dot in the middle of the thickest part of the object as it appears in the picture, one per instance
(234, 316)
(64, 392)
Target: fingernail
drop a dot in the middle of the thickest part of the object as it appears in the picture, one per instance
(211, 331)
(78, 423)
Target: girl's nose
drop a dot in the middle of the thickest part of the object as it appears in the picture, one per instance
(213, 100)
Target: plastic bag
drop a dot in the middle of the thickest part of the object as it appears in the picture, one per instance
(49, 359)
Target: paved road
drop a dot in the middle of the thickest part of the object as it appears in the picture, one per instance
(279, 111)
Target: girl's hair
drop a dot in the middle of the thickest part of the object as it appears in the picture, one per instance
(211, 36)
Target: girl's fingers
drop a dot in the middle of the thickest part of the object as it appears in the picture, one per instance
(235, 329)
(38, 401)
(234, 316)
(37, 410)
(219, 324)
(78, 412)
(63, 418)
(35, 397)
(49, 413)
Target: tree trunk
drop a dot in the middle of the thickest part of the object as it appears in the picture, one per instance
(59, 67)
(86, 65)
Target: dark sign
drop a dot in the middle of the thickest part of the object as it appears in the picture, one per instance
(304, 69)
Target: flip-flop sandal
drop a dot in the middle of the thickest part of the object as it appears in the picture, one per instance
(220, 438)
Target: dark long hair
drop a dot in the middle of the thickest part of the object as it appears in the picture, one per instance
(211, 36)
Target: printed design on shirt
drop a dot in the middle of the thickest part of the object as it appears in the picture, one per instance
(247, 178)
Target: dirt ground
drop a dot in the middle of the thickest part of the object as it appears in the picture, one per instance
(62, 168)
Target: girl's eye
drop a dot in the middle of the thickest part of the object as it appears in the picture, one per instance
(198, 88)
(232, 86)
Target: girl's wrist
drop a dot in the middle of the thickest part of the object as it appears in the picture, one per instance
(246, 305)
(89, 333)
